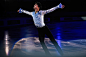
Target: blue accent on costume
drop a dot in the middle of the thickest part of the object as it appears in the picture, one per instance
(20, 10)
(60, 5)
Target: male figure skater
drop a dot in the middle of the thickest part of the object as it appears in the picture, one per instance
(38, 18)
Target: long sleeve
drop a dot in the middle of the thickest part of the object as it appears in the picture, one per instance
(52, 9)
(27, 12)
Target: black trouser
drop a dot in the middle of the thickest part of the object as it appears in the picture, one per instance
(44, 30)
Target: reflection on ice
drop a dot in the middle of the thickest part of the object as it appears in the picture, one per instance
(6, 43)
(7, 49)
(59, 37)
(32, 46)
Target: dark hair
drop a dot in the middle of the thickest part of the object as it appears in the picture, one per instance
(39, 4)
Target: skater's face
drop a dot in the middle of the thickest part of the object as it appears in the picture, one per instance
(36, 8)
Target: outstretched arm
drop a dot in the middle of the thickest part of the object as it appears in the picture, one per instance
(52, 9)
(24, 11)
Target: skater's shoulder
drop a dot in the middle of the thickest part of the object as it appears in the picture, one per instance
(33, 12)
(41, 11)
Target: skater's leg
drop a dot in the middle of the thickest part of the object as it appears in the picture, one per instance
(41, 39)
(49, 34)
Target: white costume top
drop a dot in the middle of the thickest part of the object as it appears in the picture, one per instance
(38, 17)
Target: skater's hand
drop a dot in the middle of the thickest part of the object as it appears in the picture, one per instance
(63, 6)
(18, 11)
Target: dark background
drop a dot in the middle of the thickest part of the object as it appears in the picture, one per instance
(8, 8)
